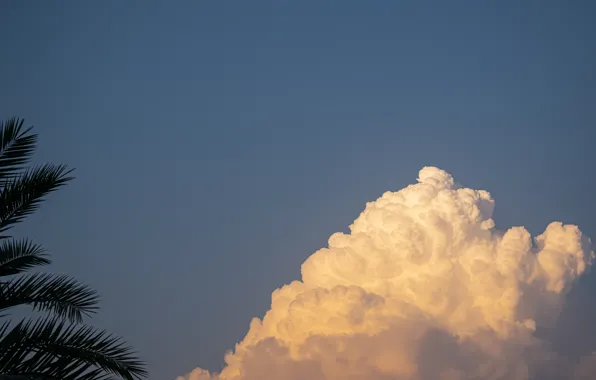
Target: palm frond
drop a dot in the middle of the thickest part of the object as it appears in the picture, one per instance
(55, 350)
(17, 256)
(56, 347)
(16, 147)
(22, 195)
(59, 294)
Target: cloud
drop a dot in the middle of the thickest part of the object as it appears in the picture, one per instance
(424, 287)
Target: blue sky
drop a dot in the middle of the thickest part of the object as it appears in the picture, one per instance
(218, 144)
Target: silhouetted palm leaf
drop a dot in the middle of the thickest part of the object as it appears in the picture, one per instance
(58, 294)
(49, 347)
(16, 147)
(17, 256)
(22, 195)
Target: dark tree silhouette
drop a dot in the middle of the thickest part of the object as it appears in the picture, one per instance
(57, 345)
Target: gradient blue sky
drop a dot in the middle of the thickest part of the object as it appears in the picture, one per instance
(218, 144)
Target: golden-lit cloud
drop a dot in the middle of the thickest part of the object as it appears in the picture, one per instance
(424, 287)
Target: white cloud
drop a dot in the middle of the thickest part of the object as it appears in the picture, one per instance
(424, 287)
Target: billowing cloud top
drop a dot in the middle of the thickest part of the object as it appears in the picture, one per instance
(423, 287)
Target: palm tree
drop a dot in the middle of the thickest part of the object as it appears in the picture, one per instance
(57, 345)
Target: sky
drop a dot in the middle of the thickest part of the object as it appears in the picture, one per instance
(217, 145)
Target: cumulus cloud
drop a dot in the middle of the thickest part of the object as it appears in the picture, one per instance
(424, 287)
